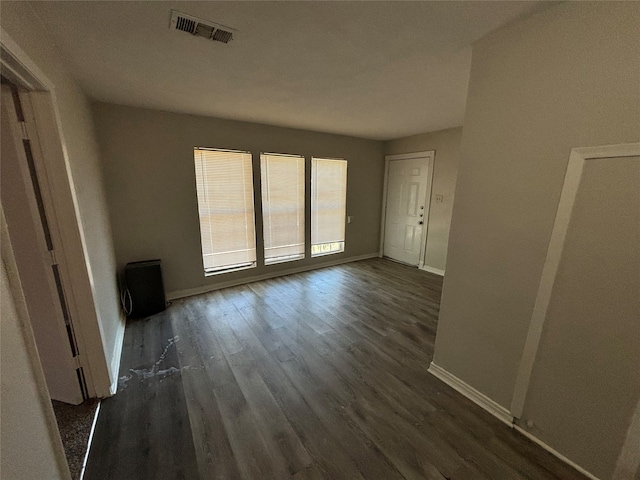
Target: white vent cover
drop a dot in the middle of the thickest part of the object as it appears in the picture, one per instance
(200, 28)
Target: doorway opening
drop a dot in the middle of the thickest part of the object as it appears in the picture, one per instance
(36, 245)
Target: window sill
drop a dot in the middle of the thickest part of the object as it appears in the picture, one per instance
(230, 270)
(284, 260)
(324, 254)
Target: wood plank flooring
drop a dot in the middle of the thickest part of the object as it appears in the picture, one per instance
(319, 375)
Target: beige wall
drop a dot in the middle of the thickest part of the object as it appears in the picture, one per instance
(566, 77)
(586, 379)
(30, 446)
(150, 181)
(446, 143)
(24, 28)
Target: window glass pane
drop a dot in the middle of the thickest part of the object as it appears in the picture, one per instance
(282, 207)
(224, 183)
(328, 205)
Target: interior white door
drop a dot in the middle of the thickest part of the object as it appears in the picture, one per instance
(406, 211)
(29, 230)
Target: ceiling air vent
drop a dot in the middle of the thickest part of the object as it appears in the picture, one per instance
(200, 28)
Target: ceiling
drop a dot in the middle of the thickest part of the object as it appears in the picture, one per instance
(377, 70)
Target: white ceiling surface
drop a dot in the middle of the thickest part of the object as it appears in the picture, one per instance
(378, 70)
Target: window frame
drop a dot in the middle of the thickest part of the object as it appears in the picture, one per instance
(342, 243)
(232, 267)
(256, 194)
(289, 258)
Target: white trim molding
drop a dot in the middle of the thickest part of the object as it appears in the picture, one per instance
(435, 270)
(628, 462)
(410, 156)
(572, 181)
(174, 295)
(117, 354)
(21, 317)
(480, 399)
(500, 413)
(554, 452)
(90, 441)
(19, 68)
(43, 122)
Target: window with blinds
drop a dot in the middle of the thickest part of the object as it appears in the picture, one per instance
(328, 205)
(224, 183)
(282, 207)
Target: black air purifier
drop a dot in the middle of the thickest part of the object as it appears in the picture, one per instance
(144, 294)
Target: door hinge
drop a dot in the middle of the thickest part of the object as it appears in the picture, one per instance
(25, 131)
(54, 259)
(76, 361)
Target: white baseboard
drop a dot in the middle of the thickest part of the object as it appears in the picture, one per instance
(435, 270)
(628, 462)
(498, 411)
(117, 354)
(256, 278)
(472, 394)
(554, 452)
(91, 432)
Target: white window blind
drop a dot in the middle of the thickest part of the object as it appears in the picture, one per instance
(328, 205)
(224, 182)
(282, 207)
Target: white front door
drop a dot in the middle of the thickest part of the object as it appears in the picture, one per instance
(406, 210)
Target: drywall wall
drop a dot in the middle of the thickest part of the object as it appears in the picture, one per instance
(446, 144)
(150, 182)
(31, 446)
(566, 77)
(534, 94)
(99, 279)
(585, 382)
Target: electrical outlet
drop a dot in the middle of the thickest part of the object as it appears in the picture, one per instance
(439, 198)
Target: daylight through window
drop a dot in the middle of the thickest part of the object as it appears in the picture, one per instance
(328, 205)
(282, 207)
(224, 183)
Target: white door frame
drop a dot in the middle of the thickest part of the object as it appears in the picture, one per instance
(52, 163)
(429, 155)
(36, 251)
(24, 323)
(570, 187)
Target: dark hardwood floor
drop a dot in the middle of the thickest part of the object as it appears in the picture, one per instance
(319, 375)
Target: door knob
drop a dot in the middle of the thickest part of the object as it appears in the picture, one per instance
(420, 222)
